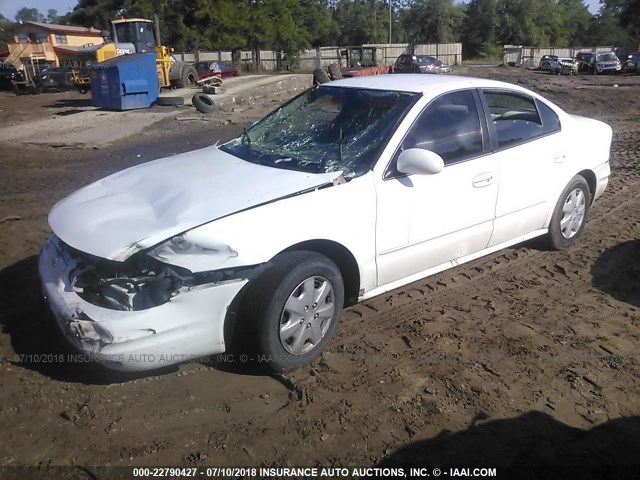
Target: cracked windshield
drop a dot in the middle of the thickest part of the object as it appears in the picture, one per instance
(327, 129)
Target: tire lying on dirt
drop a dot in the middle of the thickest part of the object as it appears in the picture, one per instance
(320, 76)
(294, 309)
(570, 214)
(335, 72)
(170, 101)
(203, 103)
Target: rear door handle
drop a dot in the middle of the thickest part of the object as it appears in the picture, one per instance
(483, 180)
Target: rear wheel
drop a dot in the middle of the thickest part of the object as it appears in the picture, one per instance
(296, 306)
(570, 214)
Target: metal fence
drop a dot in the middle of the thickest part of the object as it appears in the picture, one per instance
(269, 60)
(530, 56)
(447, 52)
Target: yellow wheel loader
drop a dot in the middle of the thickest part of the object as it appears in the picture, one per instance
(134, 35)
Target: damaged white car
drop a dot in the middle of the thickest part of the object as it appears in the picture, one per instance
(349, 190)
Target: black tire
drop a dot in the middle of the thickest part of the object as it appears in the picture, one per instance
(188, 78)
(203, 103)
(556, 239)
(83, 90)
(335, 71)
(320, 76)
(282, 281)
(170, 101)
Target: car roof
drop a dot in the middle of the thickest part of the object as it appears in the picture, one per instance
(411, 82)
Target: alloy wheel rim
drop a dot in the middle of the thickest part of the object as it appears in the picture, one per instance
(573, 213)
(306, 315)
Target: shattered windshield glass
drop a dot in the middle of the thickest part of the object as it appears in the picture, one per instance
(325, 129)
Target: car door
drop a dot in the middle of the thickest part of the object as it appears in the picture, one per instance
(425, 221)
(527, 151)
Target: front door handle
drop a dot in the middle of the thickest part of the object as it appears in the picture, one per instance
(483, 180)
(559, 157)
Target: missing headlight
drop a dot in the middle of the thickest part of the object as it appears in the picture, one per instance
(141, 282)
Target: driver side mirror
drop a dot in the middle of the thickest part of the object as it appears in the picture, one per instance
(419, 162)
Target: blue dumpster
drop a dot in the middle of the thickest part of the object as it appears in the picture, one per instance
(125, 82)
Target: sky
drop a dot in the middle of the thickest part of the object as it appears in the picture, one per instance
(9, 8)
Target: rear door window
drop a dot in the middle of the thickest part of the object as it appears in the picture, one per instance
(516, 119)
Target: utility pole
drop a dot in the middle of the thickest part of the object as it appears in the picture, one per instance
(156, 28)
(389, 21)
(156, 23)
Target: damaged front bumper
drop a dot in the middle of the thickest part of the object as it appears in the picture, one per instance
(188, 326)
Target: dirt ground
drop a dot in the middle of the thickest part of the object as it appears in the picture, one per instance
(525, 357)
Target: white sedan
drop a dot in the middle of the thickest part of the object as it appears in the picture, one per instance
(351, 189)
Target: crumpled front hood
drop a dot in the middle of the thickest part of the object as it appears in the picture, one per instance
(144, 205)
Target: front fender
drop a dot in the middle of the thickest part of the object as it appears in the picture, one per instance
(343, 213)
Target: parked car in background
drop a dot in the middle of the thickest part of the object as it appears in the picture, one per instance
(401, 176)
(584, 61)
(407, 63)
(546, 61)
(606, 62)
(8, 74)
(208, 69)
(631, 62)
(53, 77)
(563, 66)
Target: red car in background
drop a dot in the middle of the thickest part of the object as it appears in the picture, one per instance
(208, 69)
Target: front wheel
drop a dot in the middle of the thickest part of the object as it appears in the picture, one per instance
(188, 77)
(570, 214)
(296, 306)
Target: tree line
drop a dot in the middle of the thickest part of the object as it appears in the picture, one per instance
(483, 26)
